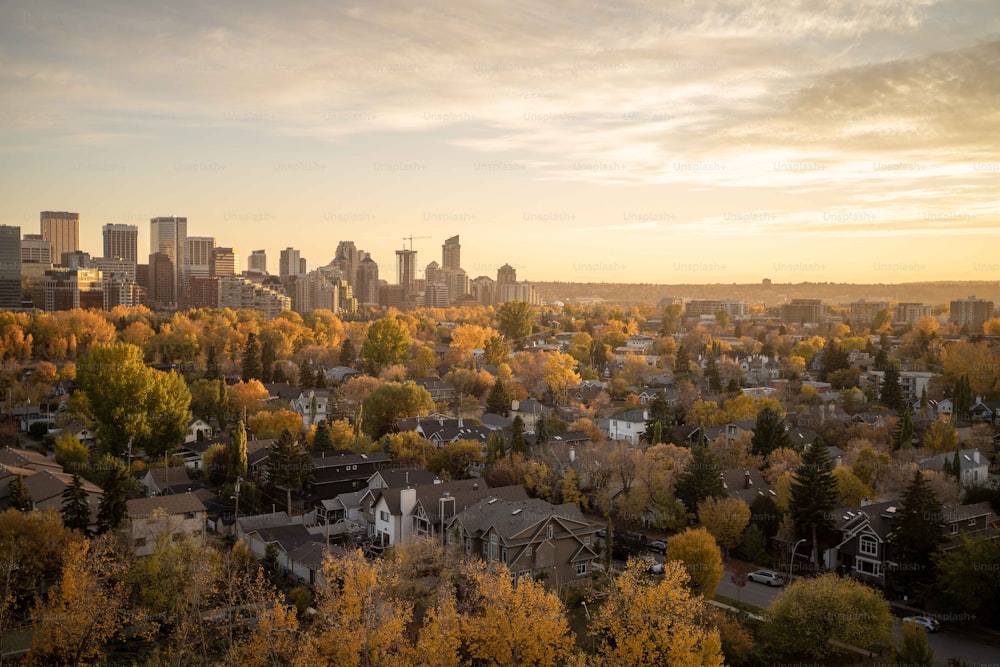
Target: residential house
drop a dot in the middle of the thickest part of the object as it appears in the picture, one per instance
(198, 430)
(81, 432)
(150, 519)
(747, 484)
(528, 410)
(46, 488)
(400, 478)
(985, 411)
(26, 458)
(626, 426)
(440, 390)
(341, 374)
(739, 428)
(311, 406)
(531, 537)
(343, 515)
(334, 473)
(974, 467)
(164, 481)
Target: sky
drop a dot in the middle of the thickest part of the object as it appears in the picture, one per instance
(689, 141)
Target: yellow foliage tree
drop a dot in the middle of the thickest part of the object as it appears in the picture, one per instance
(698, 552)
(725, 519)
(560, 374)
(942, 437)
(247, 396)
(440, 640)
(655, 622)
(468, 337)
(271, 424)
(850, 489)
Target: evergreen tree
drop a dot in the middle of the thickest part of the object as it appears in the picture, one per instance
(348, 355)
(518, 444)
(881, 362)
(660, 417)
(498, 400)
(906, 429)
(769, 433)
(212, 370)
(682, 361)
(75, 506)
(733, 387)
(306, 375)
(222, 404)
(252, 369)
(322, 441)
(834, 359)
(814, 495)
(112, 510)
(962, 397)
(701, 479)
(541, 430)
(19, 498)
(923, 399)
(288, 465)
(237, 452)
(916, 533)
(269, 563)
(267, 359)
(891, 394)
(712, 374)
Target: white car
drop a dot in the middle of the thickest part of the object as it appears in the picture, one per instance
(766, 577)
(926, 622)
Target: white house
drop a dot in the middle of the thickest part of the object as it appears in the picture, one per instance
(974, 466)
(626, 426)
(153, 518)
(198, 429)
(311, 406)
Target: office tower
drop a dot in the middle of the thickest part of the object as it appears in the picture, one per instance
(67, 289)
(367, 287)
(506, 275)
(435, 295)
(350, 258)
(168, 235)
(76, 259)
(161, 292)
(313, 291)
(257, 262)
(451, 254)
(10, 266)
(406, 270)
(62, 230)
(198, 257)
(288, 263)
(121, 241)
(114, 266)
(863, 313)
(223, 262)
(433, 273)
(120, 290)
(302, 265)
(35, 250)
(971, 312)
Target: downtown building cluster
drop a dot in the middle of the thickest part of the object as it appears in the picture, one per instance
(49, 271)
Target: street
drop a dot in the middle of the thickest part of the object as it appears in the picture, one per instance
(758, 595)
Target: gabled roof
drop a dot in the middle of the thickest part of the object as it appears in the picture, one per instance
(48, 484)
(334, 460)
(966, 460)
(395, 478)
(747, 484)
(165, 478)
(179, 503)
(633, 416)
(26, 458)
(512, 519)
(466, 492)
(288, 537)
(312, 554)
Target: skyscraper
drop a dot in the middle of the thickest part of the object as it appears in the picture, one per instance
(121, 241)
(367, 288)
(10, 267)
(288, 263)
(451, 254)
(168, 235)
(406, 269)
(62, 230)
(162, 291)
(348, 253)
(35, 250)
(506, 275)
(257, 262)
(224, 262)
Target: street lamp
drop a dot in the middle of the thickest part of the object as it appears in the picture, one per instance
(792, 558)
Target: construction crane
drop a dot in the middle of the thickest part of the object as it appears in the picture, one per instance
(410, 239)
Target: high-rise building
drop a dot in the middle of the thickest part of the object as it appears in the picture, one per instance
(971, 312)
(406, 270)
(351, 257)
(168, 235)
(313, 291)
(238, 292)
(484, 289)
(10, 266)
(62, 230)
(451, 254)
(506, 275)
(863, 313)
(435, 295)
(120, 290)
(223, 262)
(367, 287)
(302, 265)
(289, 263)
(433, 273)
(161, 292)
(67, 289)
(257, 262)
(909, 312)
(35, 250)
(121, 241)
(198, 256)
(77, 259)
(114, 266)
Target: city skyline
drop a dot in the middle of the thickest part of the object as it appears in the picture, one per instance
(659, 144)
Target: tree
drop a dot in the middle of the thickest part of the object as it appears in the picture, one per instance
(252, 367)
(698, 551)
(322, 441)
(906, 430)
(682, 362)
(247, 398)
(268, 424)
(391, 401)
(496, 447)
(541, 430)
(270, 564)
(700, 479)
(454, 459)
(962, 396)
(942, 436)
(814, 495)
(725, 519)
(753, 546)
(441, 633)
(19, 498)
(661, 417)
(834, 359)
(496, 351)
(76, 506)
(518, 443)
(655, 623)
(498, 400)
(112, 510)
(168, 413)
(810, 612)
(891, 393)
(387, 344)
(117, 385)
(850, 489)
(913, 649)
(267, 359)
(968, 579)
(237, 467)
(916, 533)
(348, 355)
(560, 374)
(514, 320)
(78, 619)
(769, 433)
(514, 625)
(288, 465)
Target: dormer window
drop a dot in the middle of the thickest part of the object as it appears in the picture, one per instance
(868, 546)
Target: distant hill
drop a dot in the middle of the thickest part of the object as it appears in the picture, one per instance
(832, 293)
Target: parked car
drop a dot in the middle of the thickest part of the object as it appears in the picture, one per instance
(926, 622)
(658, 546)
(766, 577)
(656, 568)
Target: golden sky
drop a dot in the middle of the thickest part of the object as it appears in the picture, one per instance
(667, 142)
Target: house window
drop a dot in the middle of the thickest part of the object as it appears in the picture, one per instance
(972, 522)
(548, 531)
(582, 567)
(586, 540)
(486, 548)
(383, 515)
(140, 542)
(954, 528)
(503, 555)
(468, 545)
(494, 546)
(528, 551)
(868, 546)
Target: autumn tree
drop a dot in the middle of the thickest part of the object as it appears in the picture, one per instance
(560, 374)
(288, 465)
(496, 351)
(251, 367)
(916, 533)
(441, 634)
(810, 612)
(968, 579)
(656, 622)
(814, 495)
(913, 649)
(456, 459)
(725, 519)
(942, 437)
(698, 551)
(237, 466)
(769, 433)
(76, 506)
(850, 489)
(246, 398)
(391, 401)
(268, 424)
(387, 344)
(514, 320)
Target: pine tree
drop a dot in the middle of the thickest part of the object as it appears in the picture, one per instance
(269, 563)
(906, 429)
(112, 510)
(212, 370)
(267, 359)
(682, 361)
(75, 506)
(916, 533)
(701, 479)
(891, 394)
(306, 375)
(962, 397)
(541, 431)
(769, 433)
(712, 374)
(252, 367)
(498, 400)
(814, 495)
(20, 499)
(923, 399)
(834, 359)
(237, 452)
(322, 441)
(288, 465)
(518, 444)
(348, 356)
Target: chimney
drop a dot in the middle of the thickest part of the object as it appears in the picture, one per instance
(475, 486)
(975, 455)
(746, 479)
(572, 453)
(460, 424)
